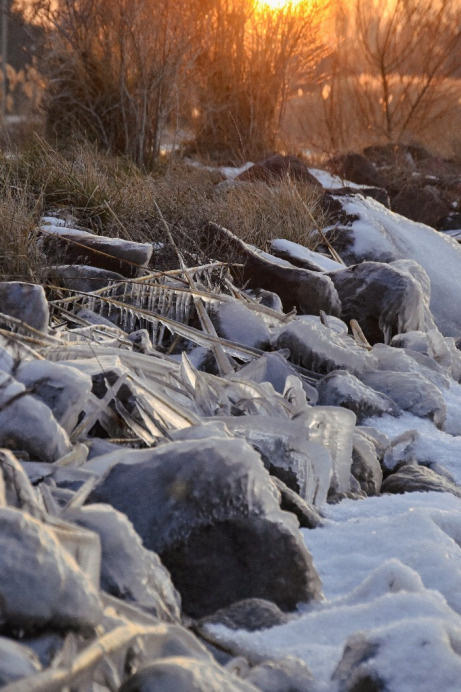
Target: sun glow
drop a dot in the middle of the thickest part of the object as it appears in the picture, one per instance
(277, 4)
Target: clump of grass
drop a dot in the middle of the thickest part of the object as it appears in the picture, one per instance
(112, 196)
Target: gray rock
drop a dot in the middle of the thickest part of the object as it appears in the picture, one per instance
(63, 389)
(210, 510)
(40, 584)
(412, 392)
(82, 277)
(287, 674)
(234, 321)
(28, 424)
(355, 672)
(128, 570)
(321, 349)
(412, 478)
(383, 299)
(252, 614)
(305, 513)
(26, 302)
(365, 465)
(340, 388)
(16, 661)
(182, 674)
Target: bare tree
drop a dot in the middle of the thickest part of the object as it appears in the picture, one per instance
(113, 69)
(395, 72)
(250, 58)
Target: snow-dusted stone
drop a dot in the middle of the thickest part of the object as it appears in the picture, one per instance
(377, 234)
(412, 392)
(210, 510)
(420, 654)
(340, 388)
(182, 674)
(234, 321)
(40, 583)
(305, 466)
(383, 299)
(412, 478)
(16, 661)
(288, 674)
(307, 291)
(82, 277)
(75, 246)
(321, 349)
(251, 615)
(62, 388)
(302, 257)
(128, 570)
(28, 424)
(365, 464)
(27, 302)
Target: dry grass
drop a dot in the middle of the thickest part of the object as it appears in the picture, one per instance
(111, 196)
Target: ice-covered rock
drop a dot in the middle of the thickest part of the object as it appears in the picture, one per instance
(128, 570)
(305, 466)
(403, 360)
(62, 388)
(305, 513)
(26, 302)
(377, 234)
(412, 478)
(321, 349)
(183, 674)
(382, 298)
(40, 583)
(412, 392)
(307, 291)
(340, 388)
(28, 424)
(234, 321)
(365, 464)
(209, 509)
(16, 661)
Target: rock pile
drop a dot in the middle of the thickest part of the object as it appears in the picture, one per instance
(163, 442)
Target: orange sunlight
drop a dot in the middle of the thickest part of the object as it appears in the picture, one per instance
(276, 4)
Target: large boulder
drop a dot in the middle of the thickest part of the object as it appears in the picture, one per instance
(423, 204)
(341, 388)
(234, 321)
(209, 509)
(358, 169)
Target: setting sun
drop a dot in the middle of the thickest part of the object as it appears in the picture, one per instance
(277, 4)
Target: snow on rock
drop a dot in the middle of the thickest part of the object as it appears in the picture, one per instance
(380, 235)
(26, 302)
(236, 322)
(390, 568)
(301, 256)
(128, 570)
(209, 509)
(40, 583)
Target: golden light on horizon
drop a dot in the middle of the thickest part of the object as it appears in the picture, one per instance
(277, 4)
